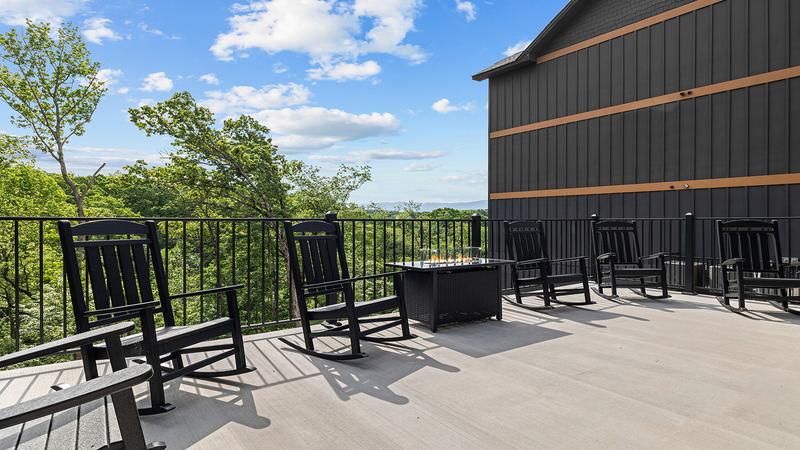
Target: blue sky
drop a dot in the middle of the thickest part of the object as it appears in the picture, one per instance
(379, 82)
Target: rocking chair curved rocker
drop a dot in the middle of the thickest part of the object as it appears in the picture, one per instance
(526, 243)
(318, 267)
(750, 250)
(616, 246)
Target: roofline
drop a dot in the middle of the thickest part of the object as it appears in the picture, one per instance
(528, 56)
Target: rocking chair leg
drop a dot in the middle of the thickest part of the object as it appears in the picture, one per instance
(158, 403)
(517, 293)
(404, 319)
(177, 362)
(400, 292)
(89, 363)
(354, 329)
(586, 295)
(307, 335)
(546, 293)
(741, 296)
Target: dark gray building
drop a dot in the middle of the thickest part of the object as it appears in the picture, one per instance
(650, 108)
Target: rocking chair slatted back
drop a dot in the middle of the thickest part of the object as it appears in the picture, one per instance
(618, 237)
(118, 268)
(316, 253)
(526, 240)
(756, 242)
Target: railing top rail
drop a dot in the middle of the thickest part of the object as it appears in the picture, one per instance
(228, 219)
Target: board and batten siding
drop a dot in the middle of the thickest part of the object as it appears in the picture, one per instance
(742, 132)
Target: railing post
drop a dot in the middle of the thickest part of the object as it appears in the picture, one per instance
(475, 231)
(330, 216)
(594, 218)
(689, 282)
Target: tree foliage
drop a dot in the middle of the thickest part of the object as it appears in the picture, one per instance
(48, 79)
(236, 167)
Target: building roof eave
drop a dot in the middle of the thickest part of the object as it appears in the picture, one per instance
(528, 56)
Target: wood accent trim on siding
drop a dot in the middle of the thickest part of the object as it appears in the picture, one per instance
(768, 77)
(658, 18)
(711, 183)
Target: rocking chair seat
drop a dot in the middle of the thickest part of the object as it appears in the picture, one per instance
(172, 338)
(568, 278)
(778, 283)
(339, 311)
(635, 272)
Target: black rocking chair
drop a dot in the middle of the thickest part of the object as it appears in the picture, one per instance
(750, 250)
(319, 268)
(119, 275)
(526, 243)
(616, 246)
(118, 384)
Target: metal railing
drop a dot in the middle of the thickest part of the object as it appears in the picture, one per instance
(206, 252)
(200, 253)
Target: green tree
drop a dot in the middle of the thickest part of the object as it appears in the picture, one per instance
(49, 80)
(236, 167)
(315, 194)
(13, 148)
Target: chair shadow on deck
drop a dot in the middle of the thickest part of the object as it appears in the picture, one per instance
(489, 337)
(386, 364)
(203, 407)
(590, 315)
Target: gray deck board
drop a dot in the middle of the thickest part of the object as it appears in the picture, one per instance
(678, 373)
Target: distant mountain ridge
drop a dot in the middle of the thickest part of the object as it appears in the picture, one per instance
(430, 206)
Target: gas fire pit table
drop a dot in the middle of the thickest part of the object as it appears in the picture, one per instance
(439, 293)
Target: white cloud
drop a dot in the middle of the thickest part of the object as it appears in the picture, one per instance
(361, 156)
(331, 33)
(145, 102)
(247, 99)
(123, 90)
(157, 81)
(345, 71)
(95, 29)
(209, 78)
(444, 106)
(14, 12)
(280, 68)
(109, 76)
(516, 48)
(295, 126)
(419, 167)
(155, 31)
(310, 128)
(474, 178)
(468, 8)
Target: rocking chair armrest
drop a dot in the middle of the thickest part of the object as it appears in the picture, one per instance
(216, 290)
(123, 309)
(791, 264)
(571, 259)
(656, 255)
(610, 256)
(67, 343)
(733, 262)
(531, 263)
(75, 395)
(352, 280)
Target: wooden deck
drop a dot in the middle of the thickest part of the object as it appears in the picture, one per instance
(677, 373)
